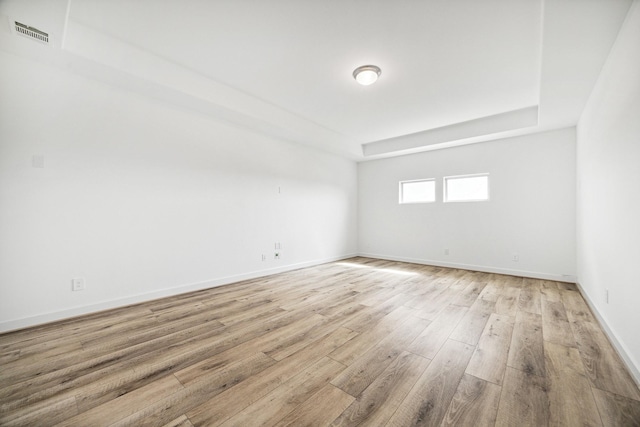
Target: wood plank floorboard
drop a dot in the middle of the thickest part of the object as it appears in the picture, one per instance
(284, 399)
(474, 404)
(524, 400)
(526, 351)
(378, 402)
(436, 334)
(490, 356)
(357, 342)
(556, 324)
(617, 410)
(428, 400)
(470, 328)
(222, 407)
(364, 370)
(570, 397)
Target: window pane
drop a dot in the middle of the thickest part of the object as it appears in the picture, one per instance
(466, 188)
(418, 191)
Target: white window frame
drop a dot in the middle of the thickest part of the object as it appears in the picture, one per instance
(435, 190)
(444, 188)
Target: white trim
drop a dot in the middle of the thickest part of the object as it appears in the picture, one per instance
(401, 191)
(617, 345)
(485, 269)
(25, 322)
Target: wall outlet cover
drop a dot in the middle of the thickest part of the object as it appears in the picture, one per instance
(77, 284)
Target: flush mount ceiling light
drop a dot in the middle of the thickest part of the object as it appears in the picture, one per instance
(367, 74)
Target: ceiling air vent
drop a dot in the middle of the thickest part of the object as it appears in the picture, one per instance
(32, 33)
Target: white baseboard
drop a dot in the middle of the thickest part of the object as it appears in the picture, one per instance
(482, 268)
(617, 345)
(14, 324)
(26, 322)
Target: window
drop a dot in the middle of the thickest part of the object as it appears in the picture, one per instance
(418, 191)
(466, 188)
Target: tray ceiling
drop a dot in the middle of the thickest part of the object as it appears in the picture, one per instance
(452, 72)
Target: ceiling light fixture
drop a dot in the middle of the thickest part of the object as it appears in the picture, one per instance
(367, 74)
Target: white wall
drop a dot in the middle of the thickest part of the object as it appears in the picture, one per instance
(145, 200)
(608, 203)
(531, 212)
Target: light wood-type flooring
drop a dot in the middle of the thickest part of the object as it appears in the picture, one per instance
(357, 342)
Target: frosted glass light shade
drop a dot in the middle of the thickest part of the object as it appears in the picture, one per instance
(367, 74)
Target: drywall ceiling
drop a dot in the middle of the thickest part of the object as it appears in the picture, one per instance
(453, 72)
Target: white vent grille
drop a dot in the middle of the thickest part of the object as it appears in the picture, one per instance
(32, 33)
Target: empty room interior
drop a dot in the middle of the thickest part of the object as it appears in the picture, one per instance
(319, 213)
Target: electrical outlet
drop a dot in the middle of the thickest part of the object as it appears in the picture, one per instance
(264, 257)
(446, 251)
(606, 295)
(276, 255)
(515, 258)
(77, 284)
